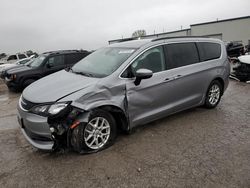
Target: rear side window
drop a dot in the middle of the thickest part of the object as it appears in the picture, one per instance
(21, 56)
(73, 58)
(181, 54)
(12, 57)
(209, 51)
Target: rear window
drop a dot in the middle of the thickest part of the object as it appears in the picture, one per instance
(181, 54)
(209, 51)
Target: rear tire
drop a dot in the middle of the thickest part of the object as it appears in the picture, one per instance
(99, 133)
(213, 95)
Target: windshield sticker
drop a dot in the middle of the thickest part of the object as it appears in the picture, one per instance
(126, 51)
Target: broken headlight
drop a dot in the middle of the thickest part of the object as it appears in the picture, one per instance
(49, 109)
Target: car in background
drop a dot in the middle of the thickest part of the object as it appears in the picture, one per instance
(16, 57)
(20, 62)
(17, 78)
(241, 69)
(235, 49)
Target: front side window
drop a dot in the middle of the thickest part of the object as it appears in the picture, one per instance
(103, 62)
(181, 54)
(153, 59)
(56, 60)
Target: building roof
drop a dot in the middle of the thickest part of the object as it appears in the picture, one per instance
(152, 35)
(218, 21)
(165, 33)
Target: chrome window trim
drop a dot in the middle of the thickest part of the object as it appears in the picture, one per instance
(165, 43)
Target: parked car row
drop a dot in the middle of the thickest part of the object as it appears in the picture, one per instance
(116, 87)
(20, 76)
(19, 62)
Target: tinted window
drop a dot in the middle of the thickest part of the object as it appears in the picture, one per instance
(12, 57)
(73, 58)
(153, 59)
(56, 60)
(209, 50)
(21, 56)
(181, 54)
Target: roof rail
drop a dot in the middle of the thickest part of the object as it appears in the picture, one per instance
(124, 40)
(61, 51)
(161, 38)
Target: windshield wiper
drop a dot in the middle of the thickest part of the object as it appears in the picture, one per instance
(84, 74)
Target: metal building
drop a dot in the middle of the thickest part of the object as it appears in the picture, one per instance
(235, 29)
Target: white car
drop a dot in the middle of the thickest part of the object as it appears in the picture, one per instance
(19, 62)
(14, 58)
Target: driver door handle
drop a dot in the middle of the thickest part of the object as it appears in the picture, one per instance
(172, 78)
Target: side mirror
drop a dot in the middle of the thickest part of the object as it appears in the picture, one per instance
(142, 74)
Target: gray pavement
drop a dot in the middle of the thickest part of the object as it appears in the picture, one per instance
(194, 148)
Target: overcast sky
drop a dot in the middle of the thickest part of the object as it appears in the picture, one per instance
(43, 25)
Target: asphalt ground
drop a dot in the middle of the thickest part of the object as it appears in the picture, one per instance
(194, 148)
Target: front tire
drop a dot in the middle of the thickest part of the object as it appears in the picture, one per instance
(98, 134)
(213, 95)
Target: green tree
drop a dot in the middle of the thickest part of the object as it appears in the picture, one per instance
(139, 33)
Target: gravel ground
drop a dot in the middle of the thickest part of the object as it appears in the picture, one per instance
(195, 148)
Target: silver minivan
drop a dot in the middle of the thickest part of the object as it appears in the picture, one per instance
(122, 86)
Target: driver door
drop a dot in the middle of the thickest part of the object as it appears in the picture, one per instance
(54, 64)
(146, 100)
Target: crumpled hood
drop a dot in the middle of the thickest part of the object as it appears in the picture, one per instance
(56, 86)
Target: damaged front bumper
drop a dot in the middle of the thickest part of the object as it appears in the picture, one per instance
(42, 145)
(35, 129)
(48, 133)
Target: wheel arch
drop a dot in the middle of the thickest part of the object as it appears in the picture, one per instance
(219, 79)
(119, 115)
(24, 78)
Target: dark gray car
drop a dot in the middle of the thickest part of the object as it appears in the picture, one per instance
(120, 87)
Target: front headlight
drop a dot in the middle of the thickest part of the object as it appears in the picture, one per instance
(10, 77)
(57, 107)
(47, 110)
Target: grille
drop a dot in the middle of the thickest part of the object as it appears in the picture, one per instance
(27, 105)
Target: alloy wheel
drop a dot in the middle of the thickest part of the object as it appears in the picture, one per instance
(214, 94)
(97, 133)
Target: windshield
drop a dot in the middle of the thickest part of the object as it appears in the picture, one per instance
(37, 62)
(23, 61)
(102, 62)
